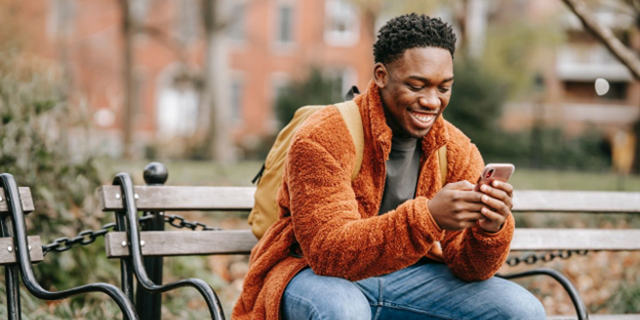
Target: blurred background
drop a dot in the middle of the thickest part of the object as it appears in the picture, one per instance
(89, 88)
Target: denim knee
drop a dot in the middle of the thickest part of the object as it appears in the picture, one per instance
(520, 304)
(309, 296)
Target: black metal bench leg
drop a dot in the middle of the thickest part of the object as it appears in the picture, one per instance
(126, 270)
(133, 234)
(24, 261)
(12, 281)
(581, 309)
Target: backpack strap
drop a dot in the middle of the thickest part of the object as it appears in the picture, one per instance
(351, 115)
(442, 161)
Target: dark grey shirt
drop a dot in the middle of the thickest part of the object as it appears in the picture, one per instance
(403, 167)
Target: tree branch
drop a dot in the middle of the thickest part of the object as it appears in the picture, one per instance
(604, 34)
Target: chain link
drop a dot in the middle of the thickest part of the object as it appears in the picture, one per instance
(179, 222)
(87, 237)
(545, 257)
(84, 238)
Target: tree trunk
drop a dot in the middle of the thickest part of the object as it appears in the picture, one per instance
(215, 92)
(128, 110)
(606, 36)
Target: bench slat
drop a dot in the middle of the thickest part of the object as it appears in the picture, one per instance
(241, 198)
(7, 257)
(182, 243)
(25, 196)
(169, 198)
(576, 201)
(576, 239)
(176, 243)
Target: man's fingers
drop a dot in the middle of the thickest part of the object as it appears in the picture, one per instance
(496, 204)
(497, 194)
(467, 196)
(505, 186)
(471, 216)
(491, 215)
(463, 185)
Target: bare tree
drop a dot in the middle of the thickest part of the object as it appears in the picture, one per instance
(217, 142)
(128, 110)
(626, 55)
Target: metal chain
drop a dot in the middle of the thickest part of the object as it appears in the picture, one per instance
(87, 237)
(83, 238)
(182, 223)
(545, 257)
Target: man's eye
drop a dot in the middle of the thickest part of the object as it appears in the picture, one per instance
(444, 90)
(414, 88)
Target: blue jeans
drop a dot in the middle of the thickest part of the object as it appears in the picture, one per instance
(426, 290)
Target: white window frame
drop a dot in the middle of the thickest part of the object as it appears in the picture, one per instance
(344, 11)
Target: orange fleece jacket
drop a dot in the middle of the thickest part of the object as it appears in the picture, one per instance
(336, 224)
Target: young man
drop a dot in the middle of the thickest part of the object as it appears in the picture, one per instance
(394, 243)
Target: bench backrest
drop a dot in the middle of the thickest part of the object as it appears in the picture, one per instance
(178, 198)
(7, 248)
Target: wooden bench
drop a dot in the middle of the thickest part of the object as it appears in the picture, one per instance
(15, 203)
(157, 199)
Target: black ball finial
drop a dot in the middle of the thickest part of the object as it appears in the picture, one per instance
(155, 173)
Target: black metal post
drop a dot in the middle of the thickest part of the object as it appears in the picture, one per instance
(149, 304)
(12, 282)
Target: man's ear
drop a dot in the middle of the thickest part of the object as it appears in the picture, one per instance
(380, 75)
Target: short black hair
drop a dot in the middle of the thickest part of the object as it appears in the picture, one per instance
(412, 31)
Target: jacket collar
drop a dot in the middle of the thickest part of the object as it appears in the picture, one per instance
(374, 122)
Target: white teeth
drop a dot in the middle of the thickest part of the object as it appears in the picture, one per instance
(423, 117)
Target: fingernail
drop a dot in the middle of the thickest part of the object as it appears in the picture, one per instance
(484, 188)
(485, 199)
(496, 183)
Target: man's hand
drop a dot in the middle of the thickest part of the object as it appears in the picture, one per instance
(457, 206)
(498, 199)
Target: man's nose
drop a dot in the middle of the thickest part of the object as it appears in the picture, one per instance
(430, 100)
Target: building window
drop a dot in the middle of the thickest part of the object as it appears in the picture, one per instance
(187, 21)
(284, 27)
(177, 112)
(342, 23)
(61, 18)
(237, 28)
(237, 91)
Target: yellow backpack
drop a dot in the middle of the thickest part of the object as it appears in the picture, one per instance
(265, 208)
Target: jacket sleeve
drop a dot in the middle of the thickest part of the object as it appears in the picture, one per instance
(474, 254)
(335, 239)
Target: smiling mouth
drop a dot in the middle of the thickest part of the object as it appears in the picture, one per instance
(424, 119)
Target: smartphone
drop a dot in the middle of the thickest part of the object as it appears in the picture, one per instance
(495, 171)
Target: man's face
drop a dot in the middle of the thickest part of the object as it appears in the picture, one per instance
(415, 89)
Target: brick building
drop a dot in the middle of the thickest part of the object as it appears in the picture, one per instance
(269, 43)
